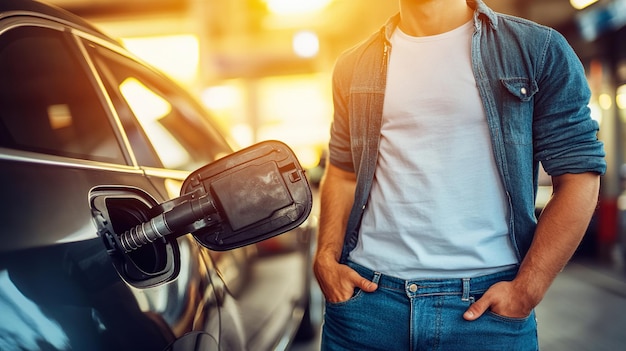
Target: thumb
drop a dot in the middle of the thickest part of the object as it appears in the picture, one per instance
(365, 285)
(476, 309)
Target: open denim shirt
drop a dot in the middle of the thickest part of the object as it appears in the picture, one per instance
(535, 96)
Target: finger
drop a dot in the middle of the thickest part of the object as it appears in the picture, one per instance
(367, 285)
(477, 309)
(363, 283)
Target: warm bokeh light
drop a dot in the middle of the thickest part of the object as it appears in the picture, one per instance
(620, 102)
(581, 4)
(294, 7)
(221, 97)
(306, 44)
(228, 105)
(309, 157)
(294, 109)
(605, 101)
(180, 58)
(297, 111)
(242, 133)
(620, 99)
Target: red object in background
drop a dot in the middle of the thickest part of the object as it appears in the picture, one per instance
(607, 221)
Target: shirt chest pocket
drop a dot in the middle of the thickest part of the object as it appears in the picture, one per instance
(517, 110)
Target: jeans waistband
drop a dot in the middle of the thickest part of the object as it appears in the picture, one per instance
(460, 286)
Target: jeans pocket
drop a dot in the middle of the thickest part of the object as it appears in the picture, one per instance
(505, 318)
(499, 332)
(355, 295)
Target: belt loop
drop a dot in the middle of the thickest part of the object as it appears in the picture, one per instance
(466, 289)
(376, 278)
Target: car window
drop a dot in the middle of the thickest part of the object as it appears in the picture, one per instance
(47, 101)
(176, 127)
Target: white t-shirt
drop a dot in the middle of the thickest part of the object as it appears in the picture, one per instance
(437, 208)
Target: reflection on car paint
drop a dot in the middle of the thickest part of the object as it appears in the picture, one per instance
(28, 328)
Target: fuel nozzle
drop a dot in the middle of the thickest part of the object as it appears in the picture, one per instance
(173, 221)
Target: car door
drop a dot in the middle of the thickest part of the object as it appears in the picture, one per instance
(58, 142)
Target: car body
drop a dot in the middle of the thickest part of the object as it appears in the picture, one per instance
(90, 138)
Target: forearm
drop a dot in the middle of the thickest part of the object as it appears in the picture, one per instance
(559, 231)
(337, 196)
(560, 228)
(337, 281)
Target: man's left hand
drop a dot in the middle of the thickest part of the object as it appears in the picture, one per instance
(503, 298)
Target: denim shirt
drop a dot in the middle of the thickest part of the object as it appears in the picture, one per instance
(534, 93)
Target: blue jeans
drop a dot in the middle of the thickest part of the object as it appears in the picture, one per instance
(423, 315)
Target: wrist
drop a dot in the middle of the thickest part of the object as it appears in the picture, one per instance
(326, 258)
(530, 291)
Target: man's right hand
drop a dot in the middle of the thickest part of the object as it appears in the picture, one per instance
(338, 281)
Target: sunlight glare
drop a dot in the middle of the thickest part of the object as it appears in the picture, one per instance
(180, 60)
(306, 44)
(150, 108)
(294, 7)
(221, 97)
(581, 4)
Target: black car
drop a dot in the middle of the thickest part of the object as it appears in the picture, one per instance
(97, 151)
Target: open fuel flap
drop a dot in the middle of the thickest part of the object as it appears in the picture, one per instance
(246, 197)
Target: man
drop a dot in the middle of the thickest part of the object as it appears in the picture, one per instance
(428, 239)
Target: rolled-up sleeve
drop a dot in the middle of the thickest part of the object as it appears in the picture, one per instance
(565, 135)
(339, 149)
